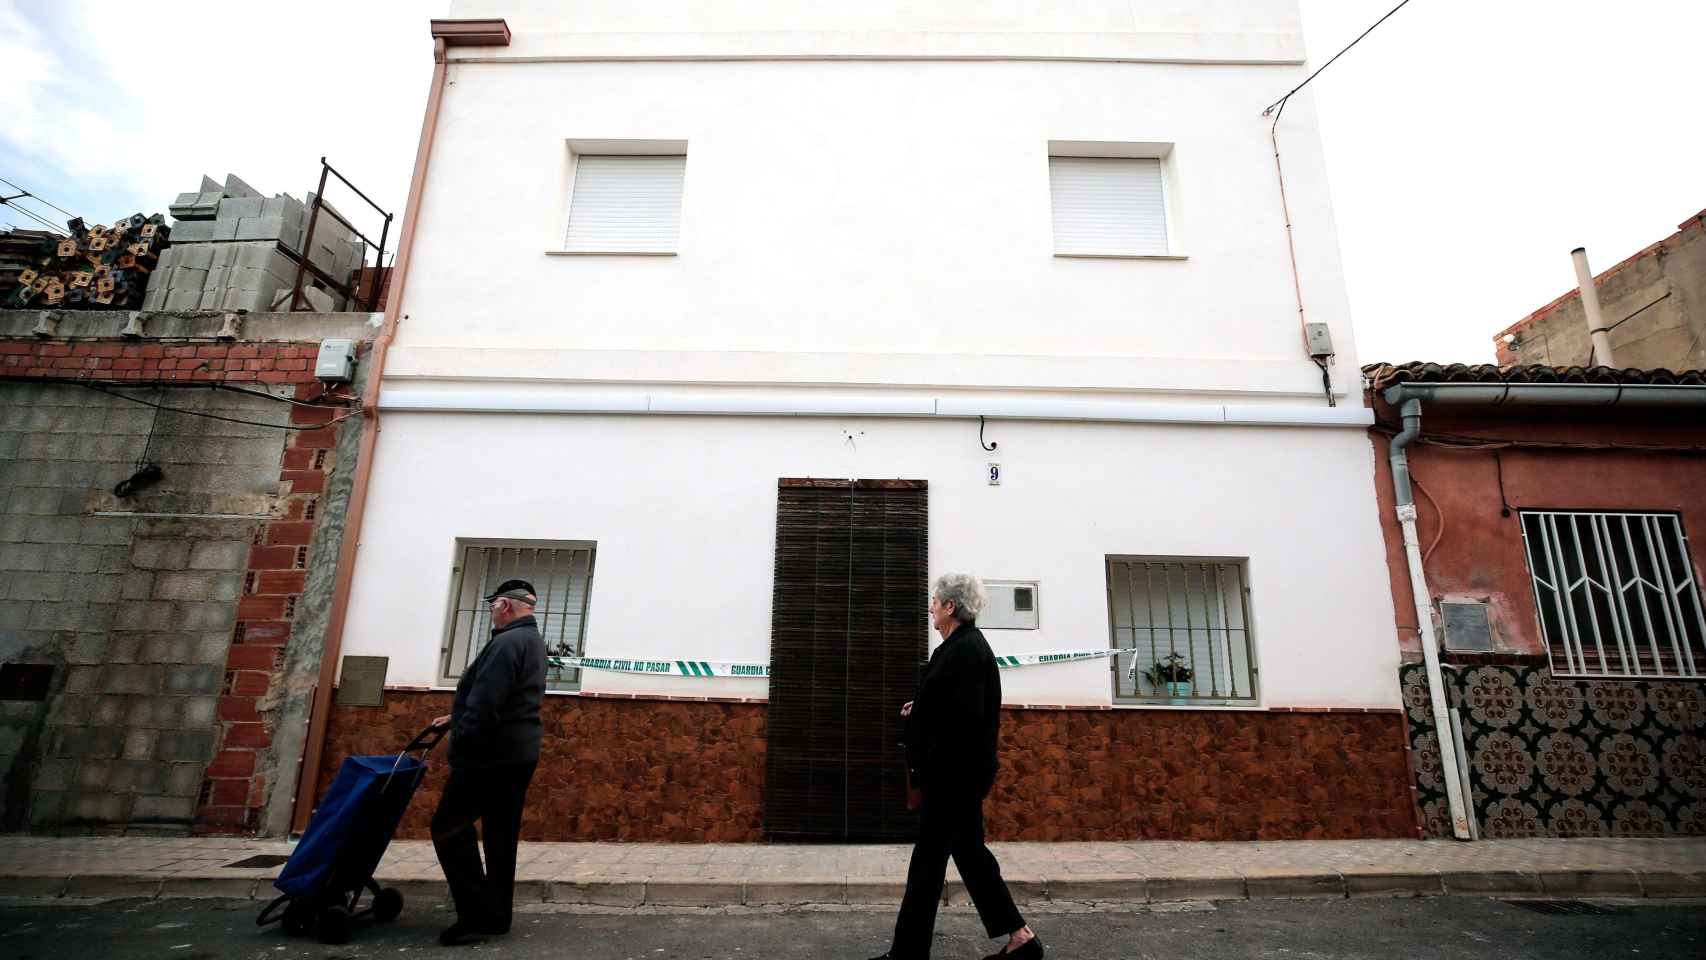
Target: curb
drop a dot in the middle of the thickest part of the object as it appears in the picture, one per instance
(1558, 884)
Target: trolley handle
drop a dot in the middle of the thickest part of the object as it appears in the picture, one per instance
(427, 739)
(423, 742)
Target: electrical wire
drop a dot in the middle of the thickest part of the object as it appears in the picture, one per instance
(1280, 103)
(103, 388)
(26, 211)
(1291, 245)
(188, 385)
(1438, 535)
(42, 199)
(232, 388)
(1504, 503)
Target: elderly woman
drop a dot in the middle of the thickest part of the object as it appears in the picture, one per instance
(950, 749)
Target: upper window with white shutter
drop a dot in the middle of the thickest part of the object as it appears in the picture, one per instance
(1108, 206)
(625, 204)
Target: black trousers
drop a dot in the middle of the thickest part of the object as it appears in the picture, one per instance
(493, 797)
(950, 825)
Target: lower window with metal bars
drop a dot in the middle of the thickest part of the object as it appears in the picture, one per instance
(1187, 621)
(561, 572)
(1616, 594)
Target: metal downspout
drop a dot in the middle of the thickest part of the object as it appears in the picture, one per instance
(308, 774)
(1412, 413)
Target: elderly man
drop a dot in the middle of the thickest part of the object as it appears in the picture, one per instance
(951, 733)
(494, 747)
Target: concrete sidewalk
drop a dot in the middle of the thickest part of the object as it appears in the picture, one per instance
(643, 874)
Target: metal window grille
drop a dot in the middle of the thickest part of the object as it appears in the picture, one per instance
(1191, 612)
(560, 572)
(1616, 594)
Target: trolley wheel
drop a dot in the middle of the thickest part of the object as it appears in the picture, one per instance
(298, 918)
(333, 925)
(387, 904)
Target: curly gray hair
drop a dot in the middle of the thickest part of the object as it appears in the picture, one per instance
(965, 592)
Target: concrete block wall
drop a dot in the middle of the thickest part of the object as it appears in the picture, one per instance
(1656, 301)
(225, 252)
(168, 617)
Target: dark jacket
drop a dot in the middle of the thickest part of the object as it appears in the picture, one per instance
(956, 716)
(495, 719)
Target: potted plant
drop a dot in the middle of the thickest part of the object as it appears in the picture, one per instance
(1171, 674)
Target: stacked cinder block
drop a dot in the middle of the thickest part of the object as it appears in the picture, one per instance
(225, 254)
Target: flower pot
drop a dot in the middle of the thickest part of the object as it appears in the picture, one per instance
(1178, 693)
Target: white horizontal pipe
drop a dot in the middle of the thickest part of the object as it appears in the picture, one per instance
(486, 399)
(792, 405)
(510, 401)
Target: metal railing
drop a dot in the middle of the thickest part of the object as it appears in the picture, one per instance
(562, 575)
(1187, 622)
(1616, 594)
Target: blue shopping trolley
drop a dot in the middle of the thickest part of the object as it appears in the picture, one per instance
(333, 864)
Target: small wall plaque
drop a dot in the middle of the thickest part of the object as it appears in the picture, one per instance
(1466, 627)
(363, 682)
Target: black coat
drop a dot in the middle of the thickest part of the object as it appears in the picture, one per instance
(495, 718)
(956, 717)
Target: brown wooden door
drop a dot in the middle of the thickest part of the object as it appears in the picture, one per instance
(848, 638)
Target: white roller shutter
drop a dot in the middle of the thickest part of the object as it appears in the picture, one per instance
(628, 204)
(1108, 205)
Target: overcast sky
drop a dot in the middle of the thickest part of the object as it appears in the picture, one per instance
(1471, 143)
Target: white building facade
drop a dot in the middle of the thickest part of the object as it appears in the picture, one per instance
(674, 257)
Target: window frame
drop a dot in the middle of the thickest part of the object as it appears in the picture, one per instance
(1245, 606)
(577, 149)
(459, 586)
(1690, 659)
(1161, 151)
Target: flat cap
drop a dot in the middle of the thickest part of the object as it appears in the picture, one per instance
(514, 590)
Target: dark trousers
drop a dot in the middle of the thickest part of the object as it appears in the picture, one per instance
(493, 797)
(950, 825)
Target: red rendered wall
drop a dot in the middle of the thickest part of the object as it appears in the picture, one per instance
(1480, 555)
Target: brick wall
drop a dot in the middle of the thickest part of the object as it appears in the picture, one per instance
(123, 360)
(165, 614)
(681, 771)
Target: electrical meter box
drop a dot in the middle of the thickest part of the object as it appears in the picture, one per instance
(1320, 339)
(336, 361)
(1012, 605)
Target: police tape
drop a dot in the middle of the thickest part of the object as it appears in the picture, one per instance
(729, 668)
(675, 668)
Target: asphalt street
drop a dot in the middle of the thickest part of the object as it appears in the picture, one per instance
(1454, 927)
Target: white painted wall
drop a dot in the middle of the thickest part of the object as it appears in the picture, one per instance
(683, 510)
(866, 209)
(843, 217)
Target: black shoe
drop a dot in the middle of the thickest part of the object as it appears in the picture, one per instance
(460, 934)
(1032, 950)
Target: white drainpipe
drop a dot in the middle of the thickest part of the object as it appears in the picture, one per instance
(1590, 307)
(1412, 411)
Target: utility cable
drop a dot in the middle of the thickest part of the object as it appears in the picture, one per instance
(26, 211)
(1280, 103)
(42, 199)
(1277, 109)
(105, 389)
(188, 385)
